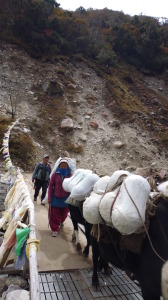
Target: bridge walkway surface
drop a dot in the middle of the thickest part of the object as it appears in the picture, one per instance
(76, 285)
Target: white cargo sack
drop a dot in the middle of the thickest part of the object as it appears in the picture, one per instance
(101, 185)
(125, 217)
(116, 178)
(66, 181)
(78, 175)
(84, 187)
(163, 188)
(106, 205)
(91, 209)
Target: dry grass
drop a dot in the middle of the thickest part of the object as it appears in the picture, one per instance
(22, 150)
(78, 149)
(164, 138)
(55, 109)
(4, 123)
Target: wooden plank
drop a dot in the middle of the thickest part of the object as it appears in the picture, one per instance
(88, 295)
(41, 287)
(72, 286)
(75, 275)
(53, 296)
(43, 278)
(88, 282)
(83, 295)
(136, 287)
(61, 286)
(78, 285)
(48, 296)
(60, 297)
(46, 287)
(65, 295)
(115, 290)
(130, 287)
(71, 295)
(67, 286)
(122, 297)
(125, 279)
(139, 296)
(118, 280)
(76, 295)
(59, 276)
(56, 286)
(67, 276)
(124, 289)
(109, 291)
(49, 278)
(11, 271)
(42, 296)
(132, 297)
(105, 291)
(51, 287)
(54, 277)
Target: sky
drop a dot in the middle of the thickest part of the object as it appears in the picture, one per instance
(151, 8)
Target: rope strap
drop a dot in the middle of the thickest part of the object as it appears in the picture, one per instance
(146, 231)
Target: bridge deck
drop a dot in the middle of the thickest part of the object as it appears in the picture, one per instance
(76, 285)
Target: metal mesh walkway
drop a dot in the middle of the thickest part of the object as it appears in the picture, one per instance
(76, 285)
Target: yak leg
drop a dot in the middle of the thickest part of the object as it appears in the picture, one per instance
(103, 265)
(78, 245)
(95, 257)
(88, 228)
(75, 238)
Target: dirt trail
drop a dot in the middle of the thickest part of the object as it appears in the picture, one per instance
(56, 253)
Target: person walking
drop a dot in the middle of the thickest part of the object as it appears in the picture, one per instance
(58, 208)
(41, 177)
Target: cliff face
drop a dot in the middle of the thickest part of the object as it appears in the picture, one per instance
(116, 120)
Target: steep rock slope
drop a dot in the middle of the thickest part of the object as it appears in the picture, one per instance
(46, 93)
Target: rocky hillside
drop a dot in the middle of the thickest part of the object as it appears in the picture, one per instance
(106, 121)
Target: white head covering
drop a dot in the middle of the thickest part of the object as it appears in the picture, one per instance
(64, 160)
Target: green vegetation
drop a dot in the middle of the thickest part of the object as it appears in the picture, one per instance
(106, 36)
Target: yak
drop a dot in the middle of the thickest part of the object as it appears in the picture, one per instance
(76, 214)
(146, 264)
(77, 218)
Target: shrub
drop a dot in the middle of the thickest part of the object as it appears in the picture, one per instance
(74, 148)
(4, 123)
(21, 149)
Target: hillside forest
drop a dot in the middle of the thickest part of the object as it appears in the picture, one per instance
(127, 55)
(106, 36)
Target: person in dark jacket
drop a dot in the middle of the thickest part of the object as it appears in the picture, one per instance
(58, 208)
(41, 177)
